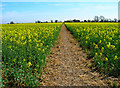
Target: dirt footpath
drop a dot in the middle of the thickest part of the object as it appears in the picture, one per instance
(67, 64)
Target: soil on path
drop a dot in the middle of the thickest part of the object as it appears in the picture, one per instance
(67, 64)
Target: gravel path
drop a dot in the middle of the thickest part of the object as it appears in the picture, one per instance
(67, 64)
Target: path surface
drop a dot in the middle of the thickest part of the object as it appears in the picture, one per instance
(66, 65)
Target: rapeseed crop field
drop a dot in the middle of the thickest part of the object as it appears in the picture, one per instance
(102, 39)
(24, 49)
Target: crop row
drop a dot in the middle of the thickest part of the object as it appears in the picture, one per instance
(24, 49)
(102, 40)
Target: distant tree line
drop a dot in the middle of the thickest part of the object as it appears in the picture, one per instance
(72, 20)
(96, 19)
(103, 19)
(11, 22)
(56, 21)
(38, 21)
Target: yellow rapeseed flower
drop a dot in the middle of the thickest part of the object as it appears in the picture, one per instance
(112, 46)
(96, 46)
(109, 45)
(115, 58)
(42, 60)
(37, 45)
(23, 59)
(43, 50)
(22, 38)
(41, 44)
(106, 59)
(36, 69)
(96, 54)
(100, 54)
(37, 65)
(29, 64)
(39, 49)
(24, 43)
(9, 47)
(87, 37)
(102, 49)
(30, 40)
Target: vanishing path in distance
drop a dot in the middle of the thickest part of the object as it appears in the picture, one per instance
(67, 64)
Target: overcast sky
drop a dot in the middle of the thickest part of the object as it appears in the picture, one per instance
(23, 12)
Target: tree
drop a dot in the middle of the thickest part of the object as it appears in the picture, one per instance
(37, 21)
(68, 21)
(96, 19)
(92, 20)
(89, 21)
(115, 20)
(106, 20)
(85, 20)
(11, 22)
(56, 21)
(118, 20)
(102, 18)
(76, 20)
(51, 21)
(109, 20)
